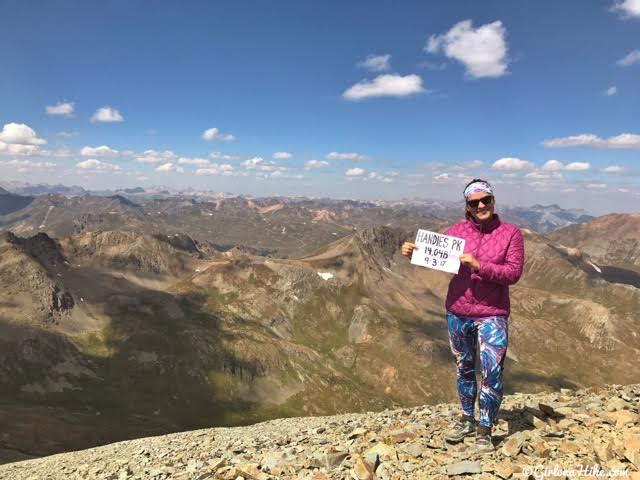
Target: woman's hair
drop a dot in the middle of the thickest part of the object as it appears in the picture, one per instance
(467, 215)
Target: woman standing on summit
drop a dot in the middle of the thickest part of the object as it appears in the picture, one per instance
(478, 308)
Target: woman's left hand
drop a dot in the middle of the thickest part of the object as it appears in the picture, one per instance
(470, 261)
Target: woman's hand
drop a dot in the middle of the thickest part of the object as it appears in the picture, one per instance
(407, 249)
(470, 261)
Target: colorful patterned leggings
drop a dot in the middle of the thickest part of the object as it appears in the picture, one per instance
(492, 334)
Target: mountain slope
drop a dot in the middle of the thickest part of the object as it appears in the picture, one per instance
(611, 240)
(158, 333)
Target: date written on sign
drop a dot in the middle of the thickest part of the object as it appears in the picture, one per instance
(437, 251)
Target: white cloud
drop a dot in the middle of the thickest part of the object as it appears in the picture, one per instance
(97, 166)
(545, 175)
(470, 165)
(19, 139)
(262, 165)
(311, 164)
(346, 156)
(282, 156)
(354, 172)
(108, 115)
(611, 91)
(223, 156)
(214, 135)
(198, 162)
(628, 8)
(377, 177)
(26, 166)
(153, 157)
(512, 163)
(214, 169)
(384, 86)
(446, 178)
(483, 51)
(596, 185)
(553, 165)
(629, 59)
(20, 134)
(376, 63)
(622, 141)
(169, 167)
(62, 109)
(617, 169)
(255, 162)
(101, 151)
(578, 166)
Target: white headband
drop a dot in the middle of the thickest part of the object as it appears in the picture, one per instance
(477, 187)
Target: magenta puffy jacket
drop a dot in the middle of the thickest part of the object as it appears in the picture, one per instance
(499, 248)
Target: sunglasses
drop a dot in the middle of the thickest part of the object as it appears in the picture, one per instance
(485, 201)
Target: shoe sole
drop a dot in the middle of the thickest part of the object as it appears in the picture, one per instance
(459, 439)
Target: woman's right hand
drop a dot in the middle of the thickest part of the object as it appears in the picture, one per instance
(407, 248)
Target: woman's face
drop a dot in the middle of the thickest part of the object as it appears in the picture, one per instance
(482, 212)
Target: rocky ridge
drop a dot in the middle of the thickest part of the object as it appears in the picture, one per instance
(586, 433)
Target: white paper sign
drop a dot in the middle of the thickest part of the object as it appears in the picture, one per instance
(437, 251)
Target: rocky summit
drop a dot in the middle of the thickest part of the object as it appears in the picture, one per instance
(584, 433)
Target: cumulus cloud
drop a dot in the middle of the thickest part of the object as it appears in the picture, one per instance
(376, 63)
(611, 91)
(627, 8)
(267, 167)
(553, 165)
(629, 59)
(153, 157)
(377, 177)
(346, 156)
(622, 141)
(108, 115)
(223, 156)
(544, 175)
(101, 151)
(61, 109)
(198, 162)
(617, 169)
(578, 166)
(215, 169)
(470, 165)
(27, 166)
(483, 51)
(169, 167)
(19, 139)
(254, 163)
(95, 165)
(354, 172)
(512, 163)
(446, 178)
(20, 134)
(385, 86)
(214, 135)
(282, 156)
(312, 164)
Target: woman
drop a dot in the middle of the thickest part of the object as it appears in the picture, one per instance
(478, 308)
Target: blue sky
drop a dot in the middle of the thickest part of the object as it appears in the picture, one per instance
(374, 100)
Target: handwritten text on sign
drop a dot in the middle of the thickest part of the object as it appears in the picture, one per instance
(437, 251)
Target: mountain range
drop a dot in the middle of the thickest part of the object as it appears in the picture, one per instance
(175, 314)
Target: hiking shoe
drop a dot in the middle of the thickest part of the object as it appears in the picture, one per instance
(462, 428)
(483, 439)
